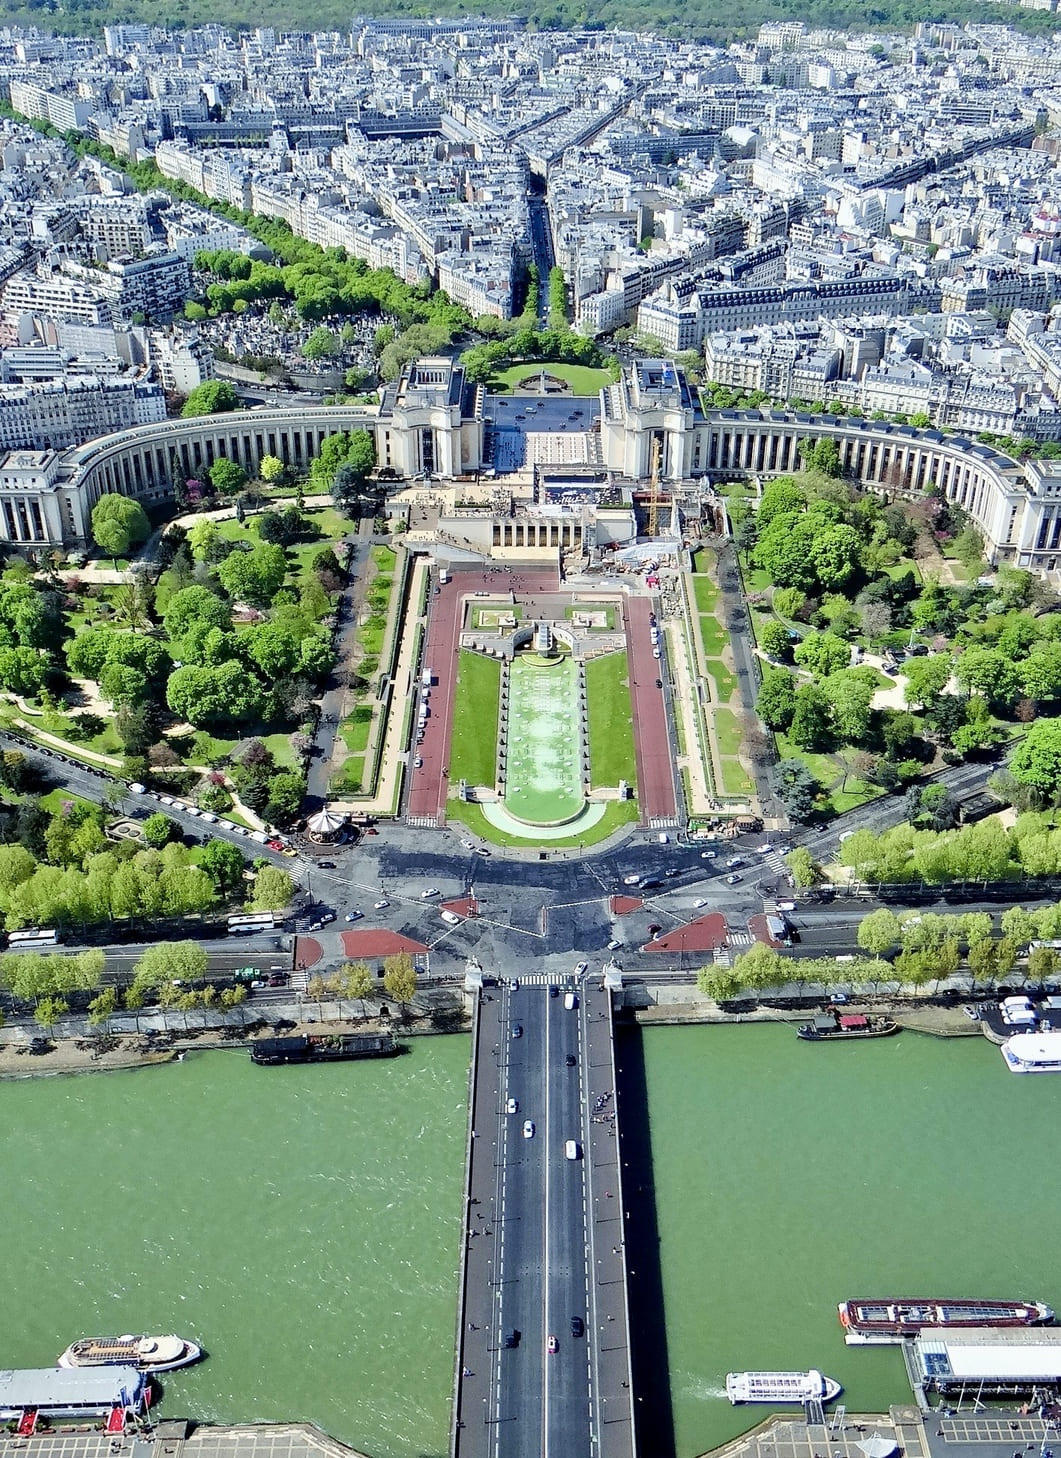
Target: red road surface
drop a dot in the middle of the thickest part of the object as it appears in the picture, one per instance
(705, 934)
(430, 784)
(655, 768)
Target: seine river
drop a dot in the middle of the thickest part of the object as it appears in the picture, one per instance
(303, 1224)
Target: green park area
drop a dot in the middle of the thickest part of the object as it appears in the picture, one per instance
(617, 813)
(363, 724)
(581, 379)
(473, 740)
(611, 725)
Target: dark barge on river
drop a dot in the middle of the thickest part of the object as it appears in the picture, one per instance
(324, 1048)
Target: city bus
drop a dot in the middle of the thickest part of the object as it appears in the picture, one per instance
(255, 922)
(31, 939)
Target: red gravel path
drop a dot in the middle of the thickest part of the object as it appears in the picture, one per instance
(430, 784)
(655, 770)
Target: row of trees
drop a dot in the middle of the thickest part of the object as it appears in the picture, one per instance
(355, 981)
(983, 852)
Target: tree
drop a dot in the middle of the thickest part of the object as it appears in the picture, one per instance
(721, 983)
(227, 694)
(836, 554)
(811, 726)
(223, 862)
(989, 672)
(321, 344)
(193, 605)
(254, 576)
(1042, 964)
(227, 477)
(801, 864)
(357, 981)
(48, 1012)
(103, 1006)
(212, 397)
(774, 640)
(399, 978)
(878, 931)
(273, 889)
(851, 694)
(796, 788)
(271, 469)
(777, 698)
(926, 678)
(822, 654)
(170, 962)
(1036, 762)
(119, 522)
(159, 830)
(760, 966)
(286, 793)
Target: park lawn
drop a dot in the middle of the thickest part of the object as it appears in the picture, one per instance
(735, 779)
(355, 729)
(858, 792)
(350, 778)
(756, 579)
(727, 731)
(617, 813)
(370, 636)
(54, 801)
(713, 636)
(705, 592)
(723, 680)
(106, 742)
(383, 559)
(583, 379)
(208, 749)
(611, 721)
(473, 743)
(823, 767)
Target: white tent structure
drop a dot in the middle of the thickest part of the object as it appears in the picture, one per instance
(324, 825)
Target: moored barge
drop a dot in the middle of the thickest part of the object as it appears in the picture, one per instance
(881, 1322)
(324, 1048)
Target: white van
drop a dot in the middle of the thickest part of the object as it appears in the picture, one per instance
(570, 1001)
(572, 1149)
(450, 918)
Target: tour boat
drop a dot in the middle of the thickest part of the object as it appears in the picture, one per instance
(1033, 1052)
(795, 1387)
(882, 1321)
(145, 1353)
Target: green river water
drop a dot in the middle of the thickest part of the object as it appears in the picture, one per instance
(304, 1223)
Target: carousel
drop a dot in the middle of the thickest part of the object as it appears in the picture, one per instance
(324, 827)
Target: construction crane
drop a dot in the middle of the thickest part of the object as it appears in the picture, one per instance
(655, 500)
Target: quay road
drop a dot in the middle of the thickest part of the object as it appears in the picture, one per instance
(544, 1242)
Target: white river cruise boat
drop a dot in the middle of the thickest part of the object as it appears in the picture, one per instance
(145, 1353)
(791, 1387)
(1033, 1052)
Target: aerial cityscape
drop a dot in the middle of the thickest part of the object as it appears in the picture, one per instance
(530, 601)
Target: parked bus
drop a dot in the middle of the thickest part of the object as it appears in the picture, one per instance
(258, 921)
(31, 940)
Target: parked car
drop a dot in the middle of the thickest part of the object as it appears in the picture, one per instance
(431, 891)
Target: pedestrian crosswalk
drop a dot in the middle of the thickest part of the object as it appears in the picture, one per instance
(299, 980)
(776, 861)
(739, 938)
(538, 979)
(425, 822)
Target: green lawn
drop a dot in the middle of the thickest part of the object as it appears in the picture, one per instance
(54, 801)
(616, 814)
(349, 780)
(473, 747)
(355, 729)
(582, 379)
(735, 780)
(727, 731)
(705, 592)
(725, 681)
(822, 766)
(756, 579)
(713, 636)
(611, 724)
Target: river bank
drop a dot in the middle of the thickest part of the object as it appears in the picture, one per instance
(116, 1052)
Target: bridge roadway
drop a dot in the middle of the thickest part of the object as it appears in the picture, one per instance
(543, 1237)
